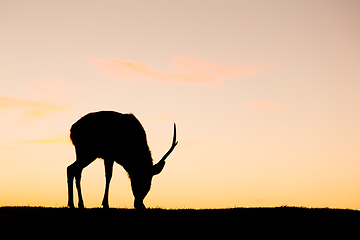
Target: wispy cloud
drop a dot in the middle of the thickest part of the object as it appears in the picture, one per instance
(30, 109)
(263, 105)
(7, 147)
(63, 138)
(56, 139)
(184, 70)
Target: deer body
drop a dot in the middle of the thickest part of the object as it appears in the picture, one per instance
(114, 137)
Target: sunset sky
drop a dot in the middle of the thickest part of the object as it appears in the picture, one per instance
(265, 96)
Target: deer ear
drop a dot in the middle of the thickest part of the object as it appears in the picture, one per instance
(157, 168)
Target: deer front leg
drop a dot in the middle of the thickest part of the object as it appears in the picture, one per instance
(108, 175)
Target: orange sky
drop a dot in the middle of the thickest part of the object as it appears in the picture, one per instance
(265, 95)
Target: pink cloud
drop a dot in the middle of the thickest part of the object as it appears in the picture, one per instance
(262, 105)
(184, 70)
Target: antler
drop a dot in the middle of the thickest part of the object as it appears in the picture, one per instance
(174, 143)
(157, 168)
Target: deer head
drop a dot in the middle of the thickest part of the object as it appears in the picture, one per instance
(141, 180)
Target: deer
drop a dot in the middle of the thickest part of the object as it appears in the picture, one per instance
(113, 137)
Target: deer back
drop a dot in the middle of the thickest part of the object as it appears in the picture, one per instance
(111, 134)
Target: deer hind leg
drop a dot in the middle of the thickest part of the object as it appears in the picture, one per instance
(74, 171)
(108, 174)
(70, 182)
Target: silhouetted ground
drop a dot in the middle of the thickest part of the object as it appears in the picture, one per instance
(237, 223)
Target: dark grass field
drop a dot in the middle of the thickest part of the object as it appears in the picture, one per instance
(236, 223)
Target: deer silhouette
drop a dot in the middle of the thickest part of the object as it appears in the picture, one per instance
(114, 137)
